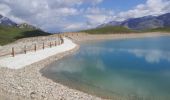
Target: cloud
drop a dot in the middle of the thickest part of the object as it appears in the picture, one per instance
(71, 15)
(50, 15)
(4, 9)
(74, 26)
(97, 16)
(151, 7)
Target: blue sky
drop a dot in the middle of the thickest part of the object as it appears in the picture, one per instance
(120, 5)
(73, 15)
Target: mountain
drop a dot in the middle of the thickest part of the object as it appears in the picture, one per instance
(11, 31)
(25, 25)
(165, 19)
(143, 23)
(9, 34)
(6, 21)
(112, 23)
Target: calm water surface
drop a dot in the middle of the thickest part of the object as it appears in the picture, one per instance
(132, 68)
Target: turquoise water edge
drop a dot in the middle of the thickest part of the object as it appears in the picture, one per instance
(136, 69)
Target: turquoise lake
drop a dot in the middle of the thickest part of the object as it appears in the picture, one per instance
(135, 69)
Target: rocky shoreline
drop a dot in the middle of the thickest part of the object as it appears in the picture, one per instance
(29, 84)
(84, 37)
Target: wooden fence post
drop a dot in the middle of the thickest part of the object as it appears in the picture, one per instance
(13, 52)
(62, 41)
(59, 39)
(50, 45)
(43, 46)
(55, 43)
(25, 49)
(35, 47)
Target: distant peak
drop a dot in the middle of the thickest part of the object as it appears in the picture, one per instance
(143, 23)
(5, 21)
(26, 25)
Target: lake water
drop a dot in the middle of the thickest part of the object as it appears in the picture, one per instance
(135, 69)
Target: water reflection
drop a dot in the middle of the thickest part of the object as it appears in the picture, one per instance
(151, 56)
(73, 65)
(126, 68)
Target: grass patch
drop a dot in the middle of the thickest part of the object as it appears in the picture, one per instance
(11, 34)
(121, 29)
(109, 30)
(161, 29)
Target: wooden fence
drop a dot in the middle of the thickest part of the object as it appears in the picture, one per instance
(35, 47)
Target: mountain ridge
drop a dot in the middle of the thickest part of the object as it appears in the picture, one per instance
(143, 23)
(5, 21)
(11, 31)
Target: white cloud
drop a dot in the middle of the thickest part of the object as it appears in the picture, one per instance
(151, 7)
(69, 15)
(51, 15)
(97, 16)
(4, 9)
(74, 26)
(97, 19)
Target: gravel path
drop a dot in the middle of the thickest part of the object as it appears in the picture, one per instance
(22, 60)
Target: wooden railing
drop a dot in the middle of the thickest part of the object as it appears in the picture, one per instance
(34, 47)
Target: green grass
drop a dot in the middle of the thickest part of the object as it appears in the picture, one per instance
(121, 29)
(164, 29)
(11, 34)
(109, 30)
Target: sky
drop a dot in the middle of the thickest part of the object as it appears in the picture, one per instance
(73, 15)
